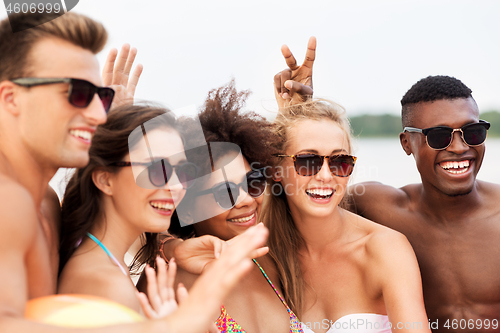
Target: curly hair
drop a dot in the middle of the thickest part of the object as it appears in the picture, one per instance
(432, 88)
(223, 120)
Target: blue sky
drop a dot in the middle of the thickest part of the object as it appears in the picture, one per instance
(369, 52)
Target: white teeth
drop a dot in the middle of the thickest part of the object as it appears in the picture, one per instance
(243, 219)
(162, 205)
(86, 135)
(320, 192)
(455, 165)
(456, 171)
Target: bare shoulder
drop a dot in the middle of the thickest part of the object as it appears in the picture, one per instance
(489, 190)
(103, 280)
(391, 267)
(376, 238)
(386, 244)
(17, 211)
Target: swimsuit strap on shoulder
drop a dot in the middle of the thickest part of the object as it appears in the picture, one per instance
(295, 326)
(98, 242)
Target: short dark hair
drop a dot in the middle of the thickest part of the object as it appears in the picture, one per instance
(429, 89)
(15, 48)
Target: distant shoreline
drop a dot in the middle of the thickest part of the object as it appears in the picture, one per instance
(389, 126)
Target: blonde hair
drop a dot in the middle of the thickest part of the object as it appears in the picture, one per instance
(15, 48)
(284, 237)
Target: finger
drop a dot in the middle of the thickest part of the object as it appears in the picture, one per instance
(182, 293)
(217, 247)
(289, 58)
(260, 252)
(224, 245)
(130, 61)
(146, 307)
(161, 276)
(233, 264)
(134, 79)
(297, 87)
(154, 298)
(121, 60)
(172, 270)
(285, 76)
(277, 84)
(107, 71)
(311, 53)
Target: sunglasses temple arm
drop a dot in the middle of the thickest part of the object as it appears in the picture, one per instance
(226, 181)
(147, 142)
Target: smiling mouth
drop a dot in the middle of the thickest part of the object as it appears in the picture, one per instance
(243, 219)
(319, 193)
(456, 167)
(164, 206)
(85, 135)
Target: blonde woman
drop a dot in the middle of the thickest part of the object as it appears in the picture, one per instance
(339, 272)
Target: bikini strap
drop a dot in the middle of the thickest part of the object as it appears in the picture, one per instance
(272, 285)
(98, 242)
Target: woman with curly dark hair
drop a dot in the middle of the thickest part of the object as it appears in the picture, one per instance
(227, 201)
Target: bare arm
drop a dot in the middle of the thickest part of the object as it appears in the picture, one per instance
(365, 199)
(195, 254)
(394, 268)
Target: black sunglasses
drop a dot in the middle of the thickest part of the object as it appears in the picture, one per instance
(226, 194)
(310, 164)
(159, 172)
(440, 137)
(80, 94)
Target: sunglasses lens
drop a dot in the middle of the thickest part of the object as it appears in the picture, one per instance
(341, 166)
(226, 195)
(475, 134)
(81, 93)
(439, 138)
(159, 173)
(256, 183)
(106, 95)
(308, 164)
(187, 174)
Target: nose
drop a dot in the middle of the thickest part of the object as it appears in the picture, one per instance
(244, 199)
(457, 145)
(324, 174)
(174, 186)
(95, 113)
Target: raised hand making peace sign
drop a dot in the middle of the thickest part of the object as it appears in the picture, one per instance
(294, 84)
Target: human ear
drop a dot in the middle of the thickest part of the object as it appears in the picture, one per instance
(405, 142)
(8, 102)
(277, 174)
(102, 181)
